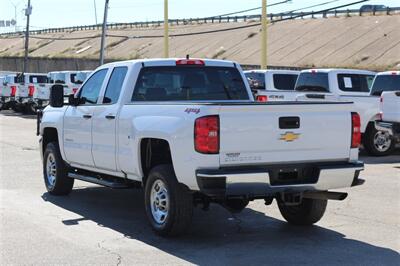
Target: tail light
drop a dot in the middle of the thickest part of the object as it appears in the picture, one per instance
(262, 98)
(74, 90)
(31, 90)
(190, 62)
(206, 134)
(355, 130)
(13, 90)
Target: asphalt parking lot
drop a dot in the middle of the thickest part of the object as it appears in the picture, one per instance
(95, 225)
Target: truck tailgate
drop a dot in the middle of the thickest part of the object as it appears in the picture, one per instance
(42, 91)
(284, 132)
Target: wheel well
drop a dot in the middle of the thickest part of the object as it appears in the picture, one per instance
(49, 135)
(153, 152)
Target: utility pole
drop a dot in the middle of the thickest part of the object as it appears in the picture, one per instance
(103, 33)
(264, 35)
(166, 36)
(95, 11)
(28, 12)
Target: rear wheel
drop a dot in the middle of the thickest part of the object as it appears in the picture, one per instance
(377, 143)
(308, 212)
(55, 171)
(169, 204)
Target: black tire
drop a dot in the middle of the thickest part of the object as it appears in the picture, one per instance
(31, 108)
(308, 212)
(374, 148)
(16, 108)
(61, 184)
(236, 205)
(180, 202)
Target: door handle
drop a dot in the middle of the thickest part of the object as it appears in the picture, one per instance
(110, 116)
(87, 116)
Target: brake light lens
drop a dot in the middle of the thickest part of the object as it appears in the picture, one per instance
(31, 90)
(356, 130)
(74, 90)
(206, 134)
(13, 90)
(262, 98)
(189, 62)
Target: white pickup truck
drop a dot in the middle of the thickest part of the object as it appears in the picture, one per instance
(190, 132)
(71, 80)
(7, 91)
(387, 85)
(32, 92)
(263, 81)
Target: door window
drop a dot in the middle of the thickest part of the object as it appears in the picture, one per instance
(91, 89)
(114, 85)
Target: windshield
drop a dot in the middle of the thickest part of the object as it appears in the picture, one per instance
(189, 83)
(385, 83)
(315, 82)
(79, 78)
(57, 78)
(37, 79)
(256, 80)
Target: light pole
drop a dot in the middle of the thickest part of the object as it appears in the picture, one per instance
(264, 35)
(103, 33)
(166, 41)
(95, 11)
(28, 12)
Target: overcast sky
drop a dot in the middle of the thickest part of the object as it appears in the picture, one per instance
(62, 13)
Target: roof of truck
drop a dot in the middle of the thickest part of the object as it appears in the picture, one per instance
(273, 71)
(387, 73)
(171, 61)
(339, 70)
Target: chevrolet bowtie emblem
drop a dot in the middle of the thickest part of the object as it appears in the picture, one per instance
(289, 136)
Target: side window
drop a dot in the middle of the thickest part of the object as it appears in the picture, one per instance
(114, 85)
(91, 88)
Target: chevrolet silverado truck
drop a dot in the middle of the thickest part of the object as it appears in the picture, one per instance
(7, 91)
(190, 133)
(387, 85)
(31, 91)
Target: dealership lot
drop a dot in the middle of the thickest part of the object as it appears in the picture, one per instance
(95, 225)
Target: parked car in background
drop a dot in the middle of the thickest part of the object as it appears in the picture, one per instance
(7, 91)
(387, 85)
(190, 132)
(30, 85)
(71, 80)
(372, 8)
(271, 80)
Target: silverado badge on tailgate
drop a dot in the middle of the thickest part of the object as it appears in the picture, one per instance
(289, 136)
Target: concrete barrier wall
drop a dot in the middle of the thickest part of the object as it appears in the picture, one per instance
(44, 65)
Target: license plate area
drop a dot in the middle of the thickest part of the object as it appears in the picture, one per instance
(293, 175)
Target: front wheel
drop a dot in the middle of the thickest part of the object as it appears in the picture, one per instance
(377, 143)
(169, 204)
(308, 212)
(55, 171)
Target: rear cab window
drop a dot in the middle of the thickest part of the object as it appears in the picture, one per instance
(285, 81)
(355, 82)
(313, 82)
(385, 83)
(256, 80)
(189, 83)
(57, 78)
(38, 79)
(79, 78)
